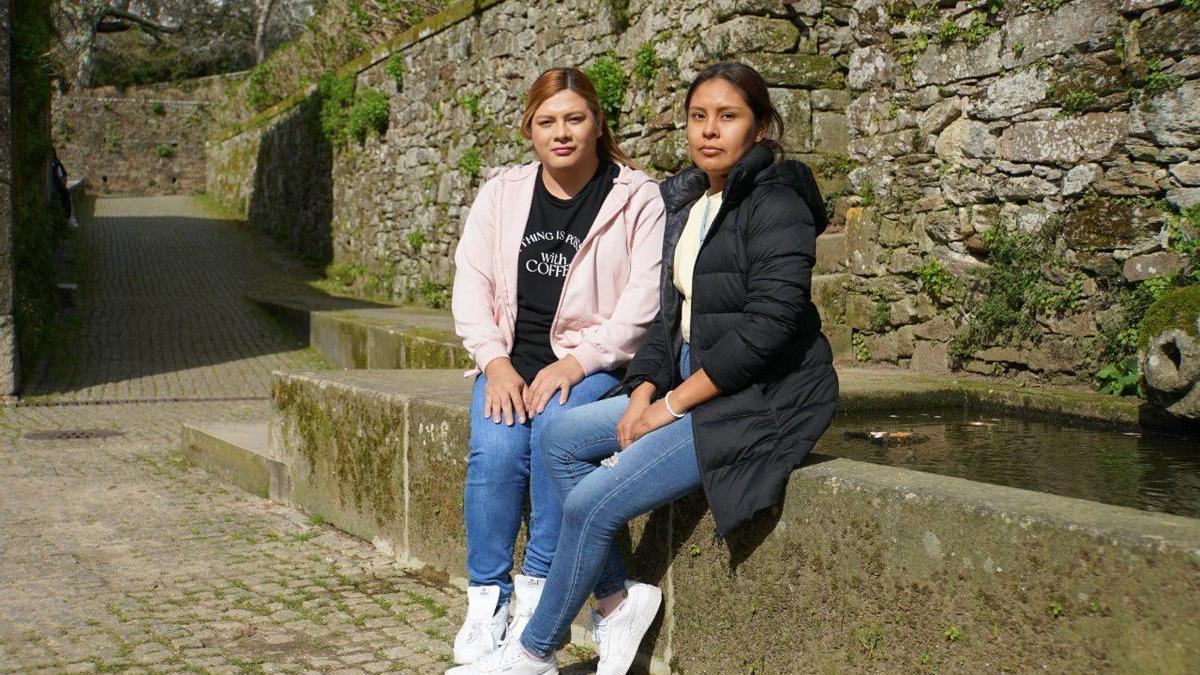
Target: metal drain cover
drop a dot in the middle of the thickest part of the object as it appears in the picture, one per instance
(72, 434)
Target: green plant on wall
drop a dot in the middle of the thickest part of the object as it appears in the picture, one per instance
(395, 69)
(158, 108)
(258, 88)
(165, 150)
(609, 77)
(645, 63)
(471, 162)
(112, 142)
(471, 102)
(369, 115)
(416, 240)
(936, 281)
(335, 95)
(1010, 293)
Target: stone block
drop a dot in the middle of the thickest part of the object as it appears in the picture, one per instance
(840, 342)
(795, 70)
(1079, 178)
(343, 437)
(1142, 267)
(1090, 25)
(1012, 94)
(1187, 173)
(891, 347)
(965, 138)
(756, 34)
(829, 133)
(831, 253)
(943, 64)
(862, 242)
(342, 341)
(870, 67)
(861, 540)
(830, 99)
(937, 117)
(1183, 198)
(235, 453)
(1172, 118)
(930, 357)
(796, 110)
(1025, 188)
(438, 444)
(1089, 137)
(829, 295)
(1170, 34)
(860, 311)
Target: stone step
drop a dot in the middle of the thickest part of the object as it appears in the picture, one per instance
(359, 334)
(238, 453)
(382, 455)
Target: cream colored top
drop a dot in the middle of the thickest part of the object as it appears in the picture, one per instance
(686, 251)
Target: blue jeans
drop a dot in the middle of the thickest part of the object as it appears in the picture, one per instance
(500, 474)
(659, 468)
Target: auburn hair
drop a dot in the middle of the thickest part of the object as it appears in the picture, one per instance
(555, 80)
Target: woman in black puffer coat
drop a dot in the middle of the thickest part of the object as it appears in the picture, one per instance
(731, 388)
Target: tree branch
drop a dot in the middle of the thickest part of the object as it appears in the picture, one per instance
(145, 23)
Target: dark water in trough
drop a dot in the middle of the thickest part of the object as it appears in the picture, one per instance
(1144, 471)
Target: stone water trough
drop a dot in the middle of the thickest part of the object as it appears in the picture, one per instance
(864, 568)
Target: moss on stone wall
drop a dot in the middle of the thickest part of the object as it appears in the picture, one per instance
(37, 224)
(1178, 309)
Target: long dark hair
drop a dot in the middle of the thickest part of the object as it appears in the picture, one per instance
(753, 88)
(554, 80)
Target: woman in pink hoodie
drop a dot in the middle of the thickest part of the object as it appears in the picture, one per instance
(556, 283)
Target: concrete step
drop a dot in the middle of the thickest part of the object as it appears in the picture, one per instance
(238, 453)
(359, 334)
(382, 455)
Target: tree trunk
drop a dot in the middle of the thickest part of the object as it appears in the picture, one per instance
(260, 33)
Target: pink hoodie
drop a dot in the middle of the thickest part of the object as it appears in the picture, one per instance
(610, 294)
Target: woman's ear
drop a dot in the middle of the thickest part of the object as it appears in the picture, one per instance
(761, 135)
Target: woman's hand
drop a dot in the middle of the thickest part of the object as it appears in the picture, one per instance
(558, 376)
(641, 416)
(655, 416)
(627, 426)
(505, 392)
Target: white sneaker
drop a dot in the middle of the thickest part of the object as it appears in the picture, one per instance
(527, 593)
(509, 659)
(484, 627)
(619, 634)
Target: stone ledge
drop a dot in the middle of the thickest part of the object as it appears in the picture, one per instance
(239, 454)
(863, 564)
(357, 334)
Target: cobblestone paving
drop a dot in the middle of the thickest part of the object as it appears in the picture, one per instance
(164, 312)
(115, 556)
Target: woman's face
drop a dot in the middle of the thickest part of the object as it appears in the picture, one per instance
(564, 131)
(720, 127)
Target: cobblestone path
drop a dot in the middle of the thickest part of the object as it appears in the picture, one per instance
(163, 310)
(117, 557)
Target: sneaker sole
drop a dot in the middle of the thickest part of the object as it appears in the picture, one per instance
(642, 625)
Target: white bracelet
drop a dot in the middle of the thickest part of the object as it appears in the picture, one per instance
(667, 401)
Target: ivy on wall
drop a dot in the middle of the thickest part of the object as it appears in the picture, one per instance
(37, 224)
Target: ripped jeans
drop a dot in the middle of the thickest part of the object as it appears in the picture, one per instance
(598, 501)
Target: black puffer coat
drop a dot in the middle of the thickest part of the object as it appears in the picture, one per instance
(754, 330)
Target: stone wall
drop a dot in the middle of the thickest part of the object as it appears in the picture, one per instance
(8, 338)
(1073, 125)
(1076, 124)
(139, 140)
(394, 205)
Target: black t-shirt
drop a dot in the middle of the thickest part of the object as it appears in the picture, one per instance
(553, 233)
